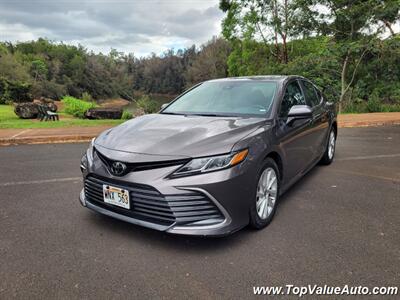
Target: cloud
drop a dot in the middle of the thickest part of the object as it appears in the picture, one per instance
(137, 26)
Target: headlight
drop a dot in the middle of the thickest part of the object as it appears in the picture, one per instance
(84, 162)
(211, 163)
(88, 156)
(89, 151)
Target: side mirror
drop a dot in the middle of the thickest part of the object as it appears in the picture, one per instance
(299, 112)
(165, 105)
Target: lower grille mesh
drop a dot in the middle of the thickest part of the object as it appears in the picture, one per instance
(150, 205)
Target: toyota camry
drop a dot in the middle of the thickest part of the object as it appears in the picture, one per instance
(215, 159)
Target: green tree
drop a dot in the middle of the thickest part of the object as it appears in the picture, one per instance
(352, 27)
(387, 13)
(12, 69)
(268, 21)
(39, 70)
(210, 62)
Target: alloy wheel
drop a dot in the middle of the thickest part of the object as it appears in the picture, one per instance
(266, 193)
(331, 145)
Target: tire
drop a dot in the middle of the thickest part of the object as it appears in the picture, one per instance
(259, 220)
(329, 153)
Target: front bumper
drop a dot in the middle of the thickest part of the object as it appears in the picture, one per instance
(216, 222)
(211, 204)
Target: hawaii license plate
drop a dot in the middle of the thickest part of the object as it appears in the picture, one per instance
(116, 196)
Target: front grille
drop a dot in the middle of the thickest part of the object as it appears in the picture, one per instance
(150, 205)
(135, 167)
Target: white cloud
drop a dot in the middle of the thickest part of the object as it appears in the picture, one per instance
(137, 26)
(20, 32)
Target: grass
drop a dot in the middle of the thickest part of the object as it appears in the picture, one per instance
(8, 119)
(370, 107)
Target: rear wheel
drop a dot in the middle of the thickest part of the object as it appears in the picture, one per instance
(330, 149)
(266, 196)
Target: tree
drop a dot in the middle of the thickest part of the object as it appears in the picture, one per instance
(210, 62)
(39, 70)
(352, 26)
(387, 12)
(12, 69)
(268, 21)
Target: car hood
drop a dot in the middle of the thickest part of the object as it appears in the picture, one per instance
(178, 135)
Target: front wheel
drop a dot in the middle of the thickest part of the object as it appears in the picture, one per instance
(266, 196)
(330, 149)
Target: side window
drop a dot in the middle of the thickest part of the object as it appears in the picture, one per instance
(319, 94)
(310, 92)
(293, 96)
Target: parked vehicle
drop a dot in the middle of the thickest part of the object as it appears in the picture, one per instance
(215, 159)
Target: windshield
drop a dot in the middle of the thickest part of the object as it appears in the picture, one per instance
(226, 98)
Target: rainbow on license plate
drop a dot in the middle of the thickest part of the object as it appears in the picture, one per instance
(116, 196)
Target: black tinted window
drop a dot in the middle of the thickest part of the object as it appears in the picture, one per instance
(319, 94)
(292, 96)
(312, 97)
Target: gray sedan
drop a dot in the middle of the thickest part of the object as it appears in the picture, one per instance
(215, 159)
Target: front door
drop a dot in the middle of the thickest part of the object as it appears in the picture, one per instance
(295, 137)
(320, 119)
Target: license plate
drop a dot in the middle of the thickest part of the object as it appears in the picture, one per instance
(116, 196)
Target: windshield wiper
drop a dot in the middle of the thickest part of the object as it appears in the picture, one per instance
(196, 114)
(171, 113)
(210, 115)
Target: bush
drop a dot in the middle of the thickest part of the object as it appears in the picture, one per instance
(20, 92)
(4, 92)
(14, 91)
(357, 106)
(126, 115)
(374, 103)
(390, 108)
(147, 104)
(76, 107)
(87, 97)
(48, 89)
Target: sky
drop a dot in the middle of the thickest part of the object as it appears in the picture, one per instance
(131, 26)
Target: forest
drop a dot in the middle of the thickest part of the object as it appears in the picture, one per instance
(350, 49)
(44, 68)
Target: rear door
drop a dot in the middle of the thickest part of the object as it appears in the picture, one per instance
(320, 119)
(294, 137)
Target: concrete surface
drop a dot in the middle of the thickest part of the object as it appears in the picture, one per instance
(338, 225)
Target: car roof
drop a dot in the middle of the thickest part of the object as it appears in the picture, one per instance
(277, 78)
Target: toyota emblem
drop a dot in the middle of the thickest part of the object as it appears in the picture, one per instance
(118, 168)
